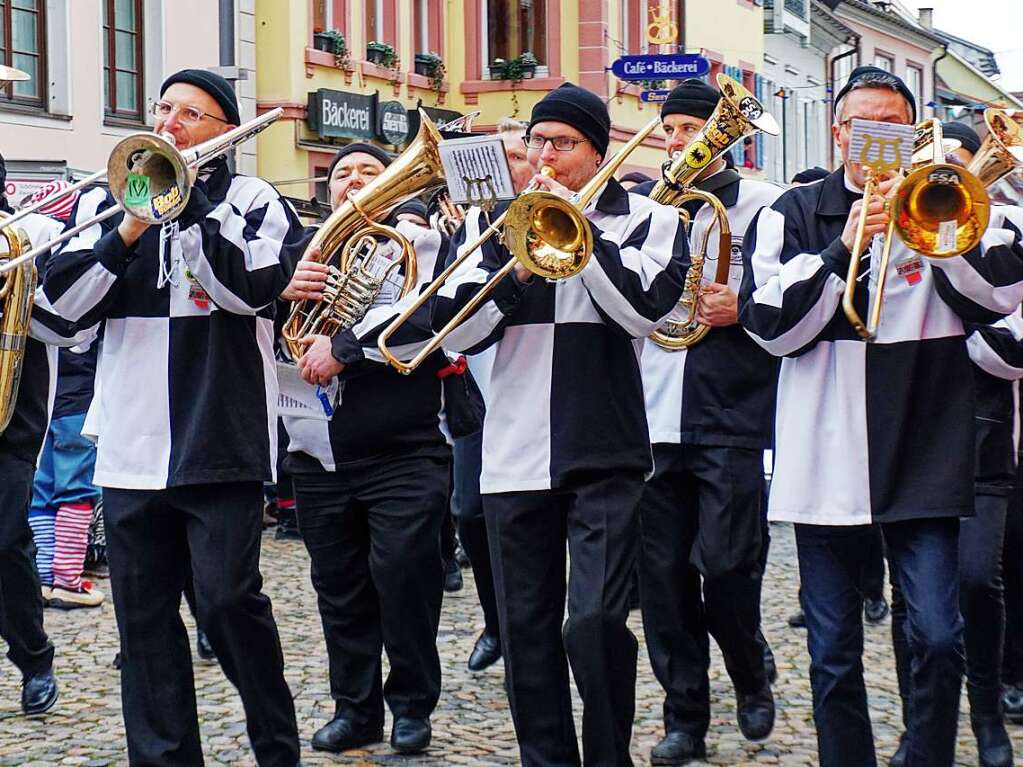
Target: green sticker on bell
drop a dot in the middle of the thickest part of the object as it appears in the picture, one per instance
(136, 191)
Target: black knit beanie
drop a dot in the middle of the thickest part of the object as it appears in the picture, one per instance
(358, 146)
(216, 86)
(575, 106)
(860, 72)
(966, 135)
(691, 97)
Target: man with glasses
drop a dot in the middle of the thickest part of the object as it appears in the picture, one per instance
(710, 409)
(880, 432)
(565, 444)
(186, 422)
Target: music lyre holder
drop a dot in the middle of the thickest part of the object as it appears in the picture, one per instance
(480, 193)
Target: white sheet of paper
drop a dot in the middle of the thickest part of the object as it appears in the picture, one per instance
(891, 142)
(297, 398)
(475, 157)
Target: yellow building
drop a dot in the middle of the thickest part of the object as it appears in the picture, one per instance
(345, 70)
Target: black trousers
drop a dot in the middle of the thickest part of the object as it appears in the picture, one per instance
(528, 531)
(373, 534)
(700, 574)
(982, 607)
(21, 604)
(152, 537)
(1012, 575)
(467, 508)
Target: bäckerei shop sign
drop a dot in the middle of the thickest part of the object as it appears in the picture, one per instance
(338, 114)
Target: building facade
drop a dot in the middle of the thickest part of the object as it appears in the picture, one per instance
(340, 69)
(96, 68)
(801, 38)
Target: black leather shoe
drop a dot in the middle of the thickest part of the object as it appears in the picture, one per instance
(994, 749)
(677, 748)
(1012, 703)
(452, 576)
(755, 712)
(410, 736)
(875, 610)
(287, 526)
(485, 653)
(341, 734)
(797, 620)
(203, 646)
(39, 692)
(901, 753)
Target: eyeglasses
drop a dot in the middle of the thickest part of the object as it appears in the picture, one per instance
(186, 114)
(560, 143)
(847, 123)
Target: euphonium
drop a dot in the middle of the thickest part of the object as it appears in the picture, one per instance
(738, 114)
(17, 291)
(547, 234)
(348, 242)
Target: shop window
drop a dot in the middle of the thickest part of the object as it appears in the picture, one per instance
(123, 85)
(23, 46)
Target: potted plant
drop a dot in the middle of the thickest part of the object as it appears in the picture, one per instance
(338, 47)
(381, 54)
(322, 41)
(528, 64)
(431, 65)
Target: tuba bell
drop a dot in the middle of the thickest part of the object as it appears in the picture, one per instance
(738, 114)
(17, 291)
(349, 241)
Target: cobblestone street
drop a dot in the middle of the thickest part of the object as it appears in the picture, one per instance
(472, 724)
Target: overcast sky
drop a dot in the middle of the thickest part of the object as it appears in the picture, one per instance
(995, 24)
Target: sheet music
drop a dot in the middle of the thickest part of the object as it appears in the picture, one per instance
(479, 159)
(890, 144)
(298, 399)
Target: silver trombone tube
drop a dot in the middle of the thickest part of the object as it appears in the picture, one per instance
(195, 157)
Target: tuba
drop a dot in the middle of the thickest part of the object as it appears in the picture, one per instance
(547, 234)
(349, 241)
(17, 291)
(738, 114)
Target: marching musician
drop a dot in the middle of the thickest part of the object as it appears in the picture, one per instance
(565, 442)
(710, 409)
(466, 503)
(21, 624)
(880, 432)
(996, 352)
(185, 416)
(371, 486)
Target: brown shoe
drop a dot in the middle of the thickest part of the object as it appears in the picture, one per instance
(72, 599)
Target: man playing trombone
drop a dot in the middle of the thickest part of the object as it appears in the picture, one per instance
(185, 415)
(879, 432)
(565, 442)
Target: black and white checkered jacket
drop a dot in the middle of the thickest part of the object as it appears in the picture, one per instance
(23, 437)
(186, 385)
(882, 431)
(720, 391)
(565, 394)
(380, 411)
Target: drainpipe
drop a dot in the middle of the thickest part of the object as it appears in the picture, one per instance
(934, 75)
(227, 61)
(682, 26)
(831, 87)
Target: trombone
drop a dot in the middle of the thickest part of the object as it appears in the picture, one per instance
(148, 176)
(547, 234)
(940, 210)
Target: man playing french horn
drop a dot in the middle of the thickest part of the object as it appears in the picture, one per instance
(372, 480)
(565, 444)
(710, 407)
